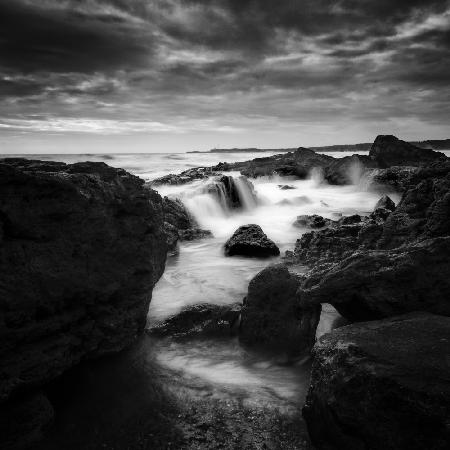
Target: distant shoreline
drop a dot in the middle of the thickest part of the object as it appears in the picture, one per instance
(435, 144)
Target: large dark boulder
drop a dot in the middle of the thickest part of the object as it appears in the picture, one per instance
(390, 151)
(376, 284)
(81, 248)
(382, 385)
(203, 320)
(250, 240)
(272, 317)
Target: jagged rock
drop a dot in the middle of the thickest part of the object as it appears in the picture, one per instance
(81, 247)
(198, 173)
(381, 385)
(386, 203)
(250, 240)
(423, 212)
(271, 316)
(285, 187)
(179, 224)
(397, 177)
(203, 320)
(313, 221)
(390, 151)
(350, 220)
(391, 263)
(376, 284)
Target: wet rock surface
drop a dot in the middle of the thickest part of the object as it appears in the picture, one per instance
(82, 246)
(313, 221)
(389, 151)
(391, 262)
(179, 225)
(187, 176)
(272, 317)
(203, 320)
(250, 240)
(382, 384)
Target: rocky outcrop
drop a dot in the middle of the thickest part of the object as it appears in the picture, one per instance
(390, 151)
(376, 284)
(203, 320)
(81, 247)
(272, 317)
(179, 225)
(188, 176)
(314, 221)
(250, 240)
(298, 163)
(390, 263)
(382, 384)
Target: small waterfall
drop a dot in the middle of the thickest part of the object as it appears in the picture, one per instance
(316, 175)
(219, 198)
(246, 192)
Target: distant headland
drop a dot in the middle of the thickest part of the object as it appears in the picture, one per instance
(435, 144)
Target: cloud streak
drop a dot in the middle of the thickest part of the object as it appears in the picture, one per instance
(236, 66)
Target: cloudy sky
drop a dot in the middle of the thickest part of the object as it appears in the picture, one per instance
(178, 75)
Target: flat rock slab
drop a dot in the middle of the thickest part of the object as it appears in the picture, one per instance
(382, 385)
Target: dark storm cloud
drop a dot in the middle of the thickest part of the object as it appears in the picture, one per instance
(42, 36)
(230, 59)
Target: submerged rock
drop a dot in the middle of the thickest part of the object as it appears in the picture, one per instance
(313, 221)
(285, 187)
(203, 320)
(250, 240)
(81, 248)
(382, 384)
(272, 316)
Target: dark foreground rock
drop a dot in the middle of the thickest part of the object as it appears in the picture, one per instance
(81, 247)
(203, 320)
(272, 317)
(382, 385)
(250, 240)
(179, 225)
